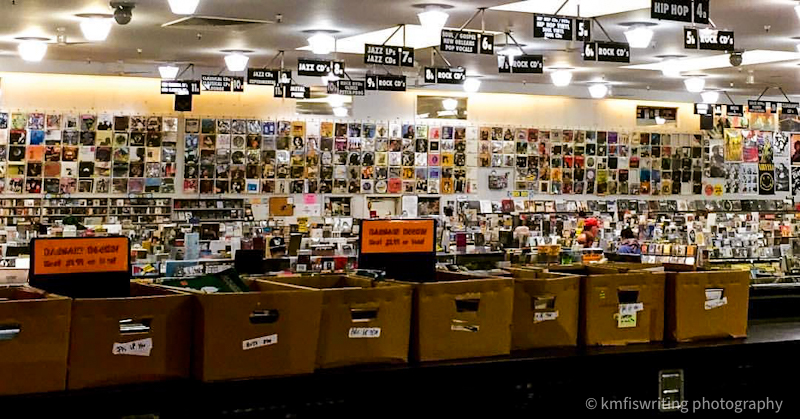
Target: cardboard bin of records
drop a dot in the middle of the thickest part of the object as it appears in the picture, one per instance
(363, 321)
(34, 340)
(545, 309)
(251, 329)
(461, 316)
(703, 305)
(619, 306)
(141, 338)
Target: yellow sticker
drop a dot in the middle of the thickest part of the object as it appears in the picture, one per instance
(626, 320)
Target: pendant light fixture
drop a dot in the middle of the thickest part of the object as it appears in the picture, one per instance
(96, 26)
(168, 71)
(340, 112)
(322, 43)
(450, 104)
(32, 49)
(561, 77)
(695, 84)
(710, 96)
(433, 18)
(639, 34)
(236, 60)
(598, 90)
(183, 7)
(336, 101)
(472, 85)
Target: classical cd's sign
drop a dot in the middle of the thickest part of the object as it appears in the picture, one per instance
(262, 76)
(522, 64)
(443, 75)
(180, 87)
(319, 68)
(552, 27)
(222, 83)
(386, 83)
(756, 106)
(712, 40)
(388, 55)
(467, 42)
(789, 108)
(614, 52)
(584, 30)
(735, 110)
(347, 87)
(680, 10)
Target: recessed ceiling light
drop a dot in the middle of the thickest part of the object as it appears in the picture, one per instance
(32, 49)
(639, 35)
(561, 77)
(570, 8)
(183, 7)
(710, 62)
(695, 84)
(236, 60)
(96, 26)
(598, 90)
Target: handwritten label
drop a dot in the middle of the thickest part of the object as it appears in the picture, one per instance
(397, 236)
(630, 308)
(136, 348)
(80, 255)
(543, 317)
(465, 328)
(364, 332)
(625, 321)
(712, 304)
(259, 342)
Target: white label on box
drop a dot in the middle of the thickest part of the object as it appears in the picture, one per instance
(712, 304)
(630, 308)
(259, 342)
(136, 348)
(364, 332)
(625, 321)
(543, 317)
(301, 267)
(465, 327)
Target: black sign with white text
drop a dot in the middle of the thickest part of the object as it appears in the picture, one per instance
(735, 110)
(552, 27)
(262, 77)
(347, 87)
(677, 10)
(180, 87)
(789, 108)
(701, 11)
(386, 83)
(278, 90)
(222, 83)
(285, 77)
(296, 91)
(444, 75)
(711, 40)
(756, 106)
(613, 52)
(703, 109)
(319, 68)
(583, 31)
(388, 55)
(467, 42)
(522, 64)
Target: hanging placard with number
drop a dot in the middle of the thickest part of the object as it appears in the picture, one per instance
(222, 83)
(180, 87)
(613, 52)
(735, 110)
(262, 77)
(388, 55)
(756, 106)
(703, 109)
(347, 87)
(522, 64)
(285, 77)
(701, 11)
(583, 31)
(386, 83)
(444, 75)
(319, 68)
(467, 42)
(552, 27)
(789, 108)
(711, 40)
(680, 10)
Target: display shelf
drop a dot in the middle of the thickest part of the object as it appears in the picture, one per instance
(750, 260)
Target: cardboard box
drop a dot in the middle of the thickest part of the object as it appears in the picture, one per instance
(34, 340)
(621, 308)
(545, 309)
(702, 305)
(271, 331)
(461, 316)
(363, 321)
(142, 338)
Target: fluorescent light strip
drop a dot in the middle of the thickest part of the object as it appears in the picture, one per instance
(416, 37)
(718, 61)
(589, 8)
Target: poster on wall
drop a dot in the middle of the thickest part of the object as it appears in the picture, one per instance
(782, 174)
(766, 179)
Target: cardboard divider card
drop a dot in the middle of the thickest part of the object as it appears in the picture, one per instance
(259, 342)
(140, 347)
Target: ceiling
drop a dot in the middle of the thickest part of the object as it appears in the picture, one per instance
(134, 49)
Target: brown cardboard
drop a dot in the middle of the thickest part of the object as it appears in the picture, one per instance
(35, 360)
(227, 323)
(353, 307)
(279, 206)
(94, 358)
(687, 316)
(554, 325)
(600, 307)
(441, 331)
